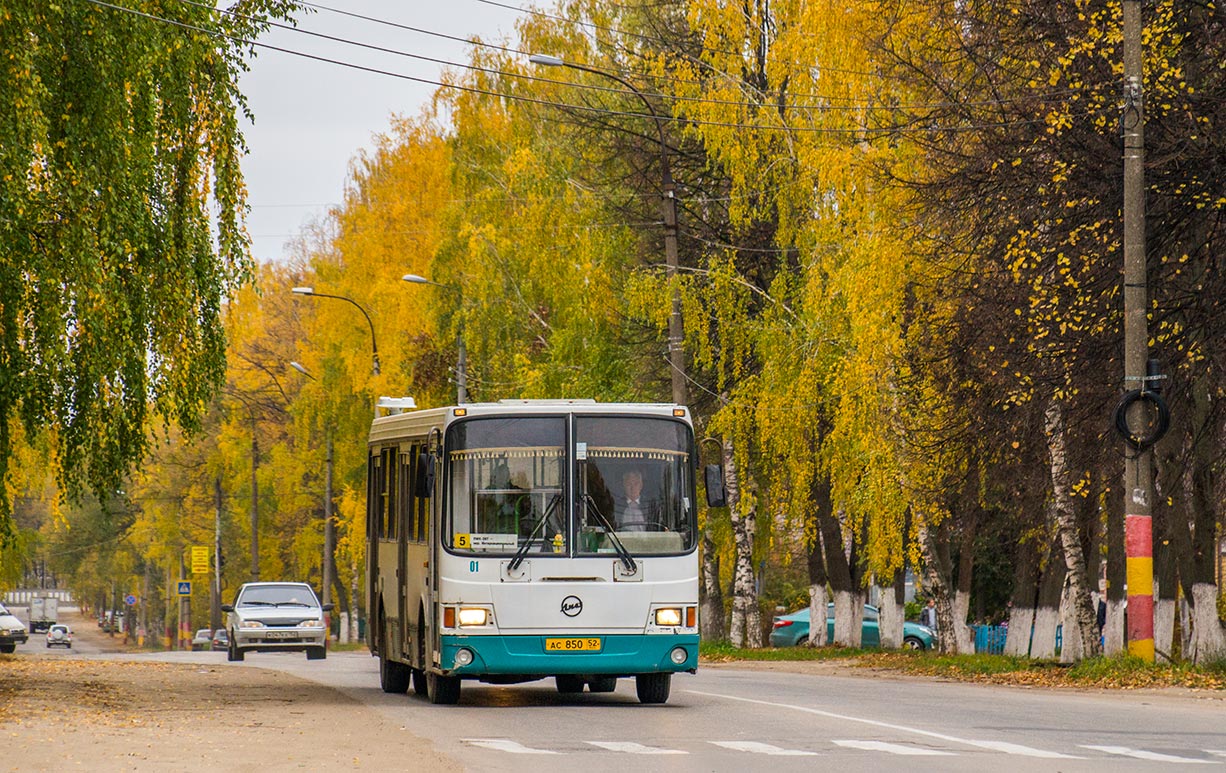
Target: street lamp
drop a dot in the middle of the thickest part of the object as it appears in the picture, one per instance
(461, 370)
(374, 347)
(329, 524)
(676, 360)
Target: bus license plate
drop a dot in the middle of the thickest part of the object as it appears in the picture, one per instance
(591, 644)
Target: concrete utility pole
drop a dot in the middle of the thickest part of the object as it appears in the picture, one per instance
(329, 538)
(215, 595)
(1138, 466)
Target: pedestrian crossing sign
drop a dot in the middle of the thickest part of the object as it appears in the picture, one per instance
(185, 587)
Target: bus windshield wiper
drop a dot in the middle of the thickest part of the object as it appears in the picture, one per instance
(622, 553)
(524, 548)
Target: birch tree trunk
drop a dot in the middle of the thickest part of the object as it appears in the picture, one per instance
(890, 616)
(892, 610)
(711, 618)
(937, 576)
(746, 629)
(1047, 610)
(1021, 604)
(818, 575)
(1070, 537)
(847, 599)
(962, 595)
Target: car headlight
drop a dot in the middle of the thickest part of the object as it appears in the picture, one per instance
(927, 630)
(668, 617)
(251, 624)
(313, 622)
(472, 616)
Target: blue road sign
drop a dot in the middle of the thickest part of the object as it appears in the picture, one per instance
(129, 599)
(185, 587)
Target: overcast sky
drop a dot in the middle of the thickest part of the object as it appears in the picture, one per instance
(312, 117)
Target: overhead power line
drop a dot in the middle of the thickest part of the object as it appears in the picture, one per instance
(855, 132)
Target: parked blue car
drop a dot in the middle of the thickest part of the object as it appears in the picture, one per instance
(791, 630)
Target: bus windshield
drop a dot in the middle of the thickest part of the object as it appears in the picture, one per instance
(634, 485)
(506, 485)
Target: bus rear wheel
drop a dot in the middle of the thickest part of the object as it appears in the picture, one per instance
(443, 690)
(653, 688)
(393, 676)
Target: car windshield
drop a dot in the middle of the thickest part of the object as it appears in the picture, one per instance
(277, 596)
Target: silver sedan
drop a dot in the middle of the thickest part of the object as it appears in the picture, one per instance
(276, 617)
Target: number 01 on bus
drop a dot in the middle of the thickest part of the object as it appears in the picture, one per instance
(522, 540)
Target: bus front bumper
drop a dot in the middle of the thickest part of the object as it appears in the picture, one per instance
(619, 655)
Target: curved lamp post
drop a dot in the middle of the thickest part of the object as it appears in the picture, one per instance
(374, 346)
(461, 370)
(329, 524)
(676, 360)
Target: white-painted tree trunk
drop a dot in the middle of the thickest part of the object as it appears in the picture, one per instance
(890, 619)
(964, 633)
(1043, 644)
(1071, 649)
(1113, 631)
(1164, 625)
(848, 618)
(1077, 589)
(344, 633)
(1017, 640)
(1208, 638)
(817, 615)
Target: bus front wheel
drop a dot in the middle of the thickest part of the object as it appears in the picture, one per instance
(443, 690)
(653, 688)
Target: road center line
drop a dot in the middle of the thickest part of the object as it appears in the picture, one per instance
(998, 746)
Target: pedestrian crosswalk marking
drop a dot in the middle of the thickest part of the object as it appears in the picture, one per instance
(753, 747)
(1001, 746)
(503, 745)
(1141, 754)
(630, 747)
(894, 748)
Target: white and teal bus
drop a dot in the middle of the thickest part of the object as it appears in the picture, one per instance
(527, 539)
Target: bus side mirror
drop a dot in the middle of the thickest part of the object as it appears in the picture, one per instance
(716, 496)
(425, 476)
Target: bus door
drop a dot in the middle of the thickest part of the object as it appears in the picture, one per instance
(404, 534)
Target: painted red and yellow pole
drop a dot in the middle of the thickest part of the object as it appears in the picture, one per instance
(1139, 542)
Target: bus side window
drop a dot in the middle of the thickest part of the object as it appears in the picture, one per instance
(373, 498)
(404, 497)
(409, 506)
(389, 493)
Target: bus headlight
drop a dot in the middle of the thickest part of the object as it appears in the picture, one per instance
(679, 655)
(463, 657)
(472, 616)
(669, 617)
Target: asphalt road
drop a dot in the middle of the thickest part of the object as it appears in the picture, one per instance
(727, 718)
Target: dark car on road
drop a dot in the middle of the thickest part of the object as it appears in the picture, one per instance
(221, 640)
(791, 630)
